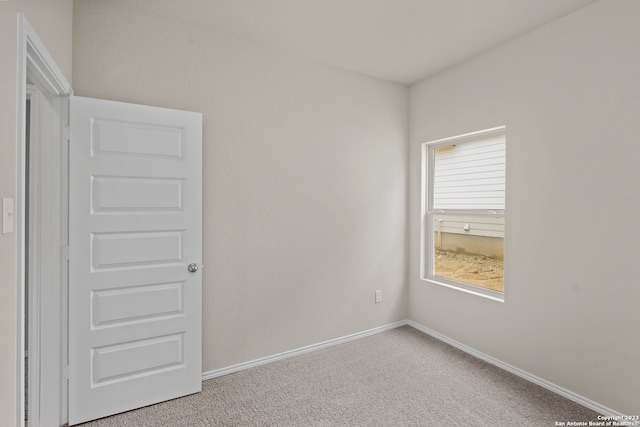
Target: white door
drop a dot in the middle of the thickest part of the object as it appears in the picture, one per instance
(135, 227)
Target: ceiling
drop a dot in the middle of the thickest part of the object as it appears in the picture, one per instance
(401, 41)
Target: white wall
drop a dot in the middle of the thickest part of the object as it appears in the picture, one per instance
(304, 177)
(569, 94)
(52, 21)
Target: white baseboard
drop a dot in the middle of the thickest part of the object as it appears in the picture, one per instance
(601, 409)
(298, 351)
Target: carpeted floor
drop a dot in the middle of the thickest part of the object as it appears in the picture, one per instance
(400, 377)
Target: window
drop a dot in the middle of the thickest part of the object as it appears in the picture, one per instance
(463, 209)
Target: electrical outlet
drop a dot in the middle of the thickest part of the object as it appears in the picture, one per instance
(378, 296)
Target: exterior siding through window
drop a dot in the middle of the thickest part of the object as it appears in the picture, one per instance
(470, 176)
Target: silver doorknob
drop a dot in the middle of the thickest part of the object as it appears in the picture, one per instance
(193, 267)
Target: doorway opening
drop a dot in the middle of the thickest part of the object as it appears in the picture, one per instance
(26, 288)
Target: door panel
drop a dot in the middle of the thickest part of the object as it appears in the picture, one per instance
(135, 225)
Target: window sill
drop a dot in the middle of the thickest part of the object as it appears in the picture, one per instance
(470, 289)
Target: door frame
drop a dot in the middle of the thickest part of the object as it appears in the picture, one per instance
(36, 66)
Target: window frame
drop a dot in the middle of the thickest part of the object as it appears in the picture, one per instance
(427, 231)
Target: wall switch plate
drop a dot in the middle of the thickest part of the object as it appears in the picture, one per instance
(8, 215)
(378, 296)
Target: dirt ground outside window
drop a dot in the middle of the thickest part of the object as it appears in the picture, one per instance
(478, 270)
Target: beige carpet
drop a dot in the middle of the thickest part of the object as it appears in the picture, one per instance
(400, 377)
